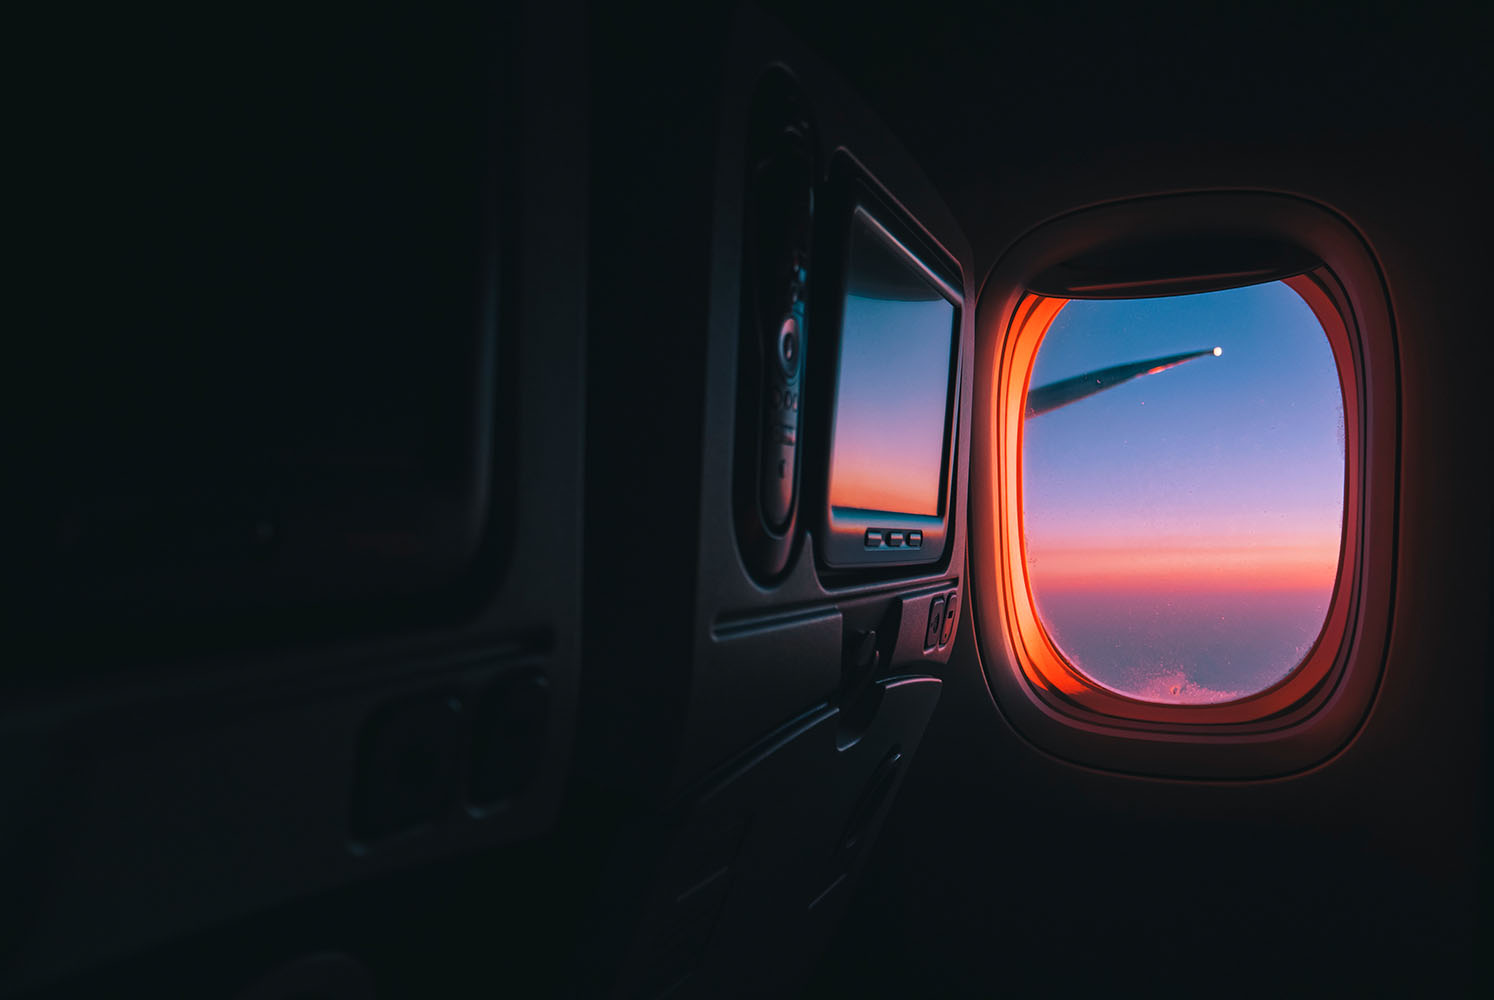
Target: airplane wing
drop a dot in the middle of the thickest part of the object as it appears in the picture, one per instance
(1070, 390)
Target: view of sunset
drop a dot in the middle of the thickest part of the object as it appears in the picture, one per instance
(893, 386)
(1182, 529)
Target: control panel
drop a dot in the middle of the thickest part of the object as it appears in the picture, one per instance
(944, 614)
(778, 208)
(894, 633)
(893, 538)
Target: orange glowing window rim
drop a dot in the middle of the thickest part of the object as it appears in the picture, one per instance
(1063, 686)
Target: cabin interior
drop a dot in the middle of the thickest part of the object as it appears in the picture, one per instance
(446, 570)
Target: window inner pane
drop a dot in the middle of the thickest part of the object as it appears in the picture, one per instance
(1182, 521)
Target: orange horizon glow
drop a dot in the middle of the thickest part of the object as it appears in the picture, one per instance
(1243, 567)
(856, 487)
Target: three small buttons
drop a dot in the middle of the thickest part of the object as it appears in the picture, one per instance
(893, 538)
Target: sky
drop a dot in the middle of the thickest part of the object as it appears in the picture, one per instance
(1182, 530)
(892, 392)
(890, 405)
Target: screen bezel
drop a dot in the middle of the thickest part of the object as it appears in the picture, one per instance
(840, 540)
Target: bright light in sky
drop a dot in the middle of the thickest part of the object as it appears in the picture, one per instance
(1182, 529)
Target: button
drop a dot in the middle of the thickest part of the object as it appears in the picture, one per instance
(788, 346)
(895, 538)
(951, 617)
(915, 539)
(936, 622)
(509, 737)
(873, 538)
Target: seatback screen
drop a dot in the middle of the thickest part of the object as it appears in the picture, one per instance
(892, 387)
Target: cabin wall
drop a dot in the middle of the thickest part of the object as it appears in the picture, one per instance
(1004, 868)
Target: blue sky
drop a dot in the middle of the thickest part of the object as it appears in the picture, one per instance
(1222, 476)
(890, 404)
(1248, 445)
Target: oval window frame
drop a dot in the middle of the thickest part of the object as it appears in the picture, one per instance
(1249, 237)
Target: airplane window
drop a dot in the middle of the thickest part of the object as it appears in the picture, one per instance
(1183, 490)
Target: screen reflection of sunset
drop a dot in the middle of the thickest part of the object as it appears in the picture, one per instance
(1182, 530)
(892, 393)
